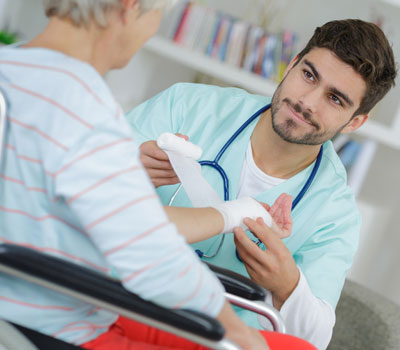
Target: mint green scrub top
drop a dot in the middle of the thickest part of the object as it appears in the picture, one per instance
(326, 222)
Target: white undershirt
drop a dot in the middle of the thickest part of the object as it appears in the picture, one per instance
(305, 315)
(252, 179)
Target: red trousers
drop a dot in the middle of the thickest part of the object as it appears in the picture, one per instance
(126, 334)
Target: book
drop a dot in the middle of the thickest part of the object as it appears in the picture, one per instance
(214, 34)
(171, 19)
(220, 37)
(270, 57)
(236, 43)
(287, 52)
(208, 31)
(225, 41)
(253, 37)
(204, 29)
(182, 27)
(260, 53)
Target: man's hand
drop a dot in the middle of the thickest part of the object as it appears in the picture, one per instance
(157, 164)
(275, 268)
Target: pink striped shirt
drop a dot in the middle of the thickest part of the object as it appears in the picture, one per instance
(72, 185)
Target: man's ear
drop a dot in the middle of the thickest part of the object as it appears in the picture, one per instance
(355, 123)
(290, 65)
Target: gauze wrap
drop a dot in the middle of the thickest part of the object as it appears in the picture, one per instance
(183, 156)
(235, 211)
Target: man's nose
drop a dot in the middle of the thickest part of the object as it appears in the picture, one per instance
(310, 99)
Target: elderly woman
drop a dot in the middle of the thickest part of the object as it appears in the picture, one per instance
(72, 185)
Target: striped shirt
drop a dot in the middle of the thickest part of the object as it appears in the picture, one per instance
(71, 185)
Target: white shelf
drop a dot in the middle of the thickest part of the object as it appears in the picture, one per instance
(383, 134)
(201, 62)
(389, 136)
(395, 3)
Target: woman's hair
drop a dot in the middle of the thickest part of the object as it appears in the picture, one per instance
(82, 12)
(363, 46)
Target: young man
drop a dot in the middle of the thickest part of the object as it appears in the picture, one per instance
(329, 88)
(71, 184)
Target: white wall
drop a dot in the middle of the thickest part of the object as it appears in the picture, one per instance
(377, 261)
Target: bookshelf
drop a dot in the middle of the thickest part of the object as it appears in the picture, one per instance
(386, 135)
(205, 64)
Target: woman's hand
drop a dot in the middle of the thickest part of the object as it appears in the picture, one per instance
(280, 212)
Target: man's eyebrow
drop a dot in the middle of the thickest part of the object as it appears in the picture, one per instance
(343, 96)
(335, 91)
(312, 67)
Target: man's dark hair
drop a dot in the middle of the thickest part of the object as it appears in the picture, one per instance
(363, 46)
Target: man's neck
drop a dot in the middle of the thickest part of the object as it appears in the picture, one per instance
(275, 156)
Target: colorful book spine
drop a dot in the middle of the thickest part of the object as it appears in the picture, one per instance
(214, 34)
(182, 26)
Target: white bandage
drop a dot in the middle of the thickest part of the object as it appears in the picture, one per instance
(235, 211)
(172, 143)
(183, 155)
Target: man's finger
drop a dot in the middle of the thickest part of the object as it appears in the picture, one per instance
(152, 163)
(247, 258)
(160, 174)
(248, 247)
(151, 149)
(264, 233)
(157, 182)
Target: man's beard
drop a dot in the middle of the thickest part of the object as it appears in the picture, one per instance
(287, 127)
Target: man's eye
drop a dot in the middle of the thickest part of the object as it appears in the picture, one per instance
(308, 75)
(336, 100)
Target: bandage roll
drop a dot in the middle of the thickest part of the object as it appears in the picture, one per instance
(172, 143)
(182, 155)
(235, 211)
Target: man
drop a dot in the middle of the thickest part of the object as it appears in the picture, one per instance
(329, 88)
(72, 185)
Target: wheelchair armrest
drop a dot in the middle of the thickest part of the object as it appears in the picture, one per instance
(243, 292)
(238, 285)
(100, 290)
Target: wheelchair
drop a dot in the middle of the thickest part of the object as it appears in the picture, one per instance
(105, 292)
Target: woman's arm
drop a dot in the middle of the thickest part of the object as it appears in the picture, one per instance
(196, 224)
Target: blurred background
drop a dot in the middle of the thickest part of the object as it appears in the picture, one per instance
(247, 43)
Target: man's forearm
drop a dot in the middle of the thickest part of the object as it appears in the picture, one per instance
(307, 316)
(279, 298)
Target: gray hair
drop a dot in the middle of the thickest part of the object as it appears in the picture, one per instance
(81, 12)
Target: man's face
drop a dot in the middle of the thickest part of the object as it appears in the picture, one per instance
(317, 99)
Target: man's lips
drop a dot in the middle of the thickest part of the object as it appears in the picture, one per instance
(298, 116)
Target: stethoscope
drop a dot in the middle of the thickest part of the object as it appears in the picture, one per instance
(214, 164)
